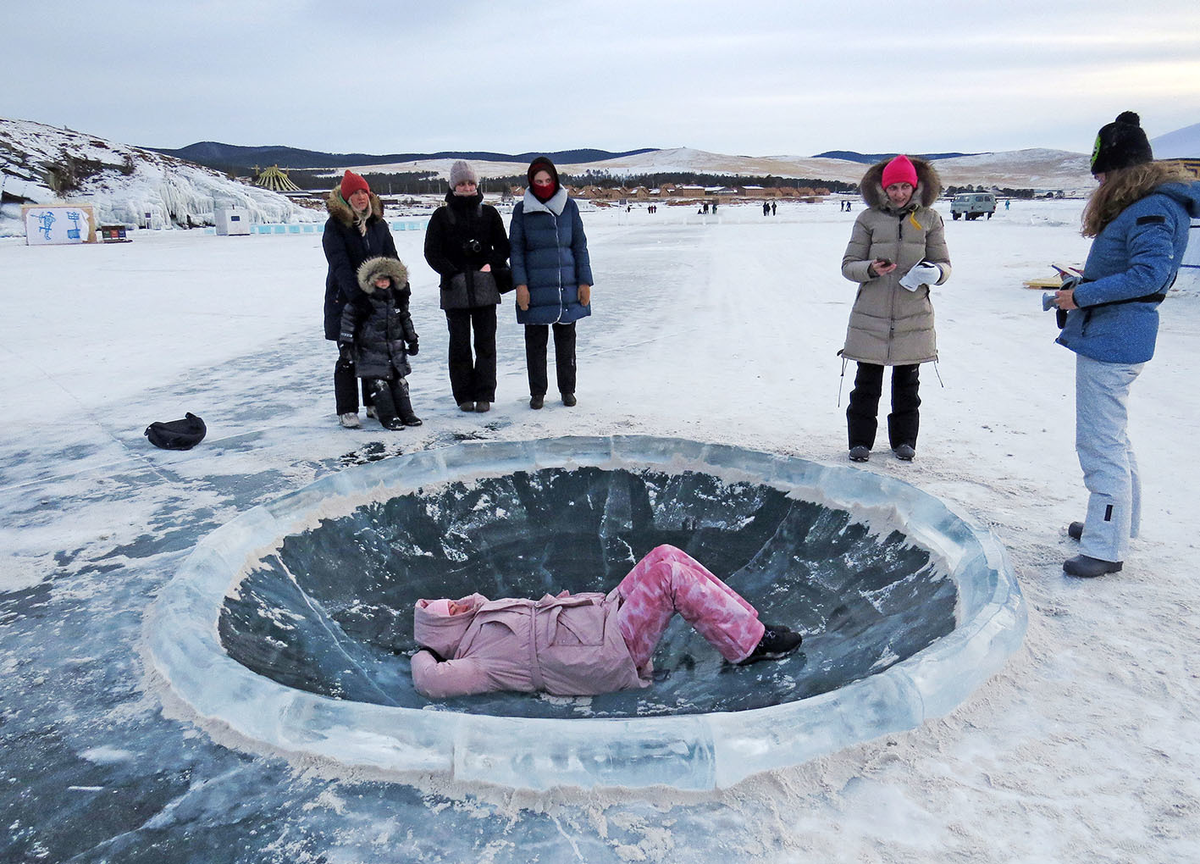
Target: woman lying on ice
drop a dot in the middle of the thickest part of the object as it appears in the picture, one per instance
(585, 644)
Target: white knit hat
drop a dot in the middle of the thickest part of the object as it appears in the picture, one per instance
(461, 172)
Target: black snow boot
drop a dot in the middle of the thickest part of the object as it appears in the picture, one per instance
(1086, 567)
(385, 408)
(777, 642)
(404, 405)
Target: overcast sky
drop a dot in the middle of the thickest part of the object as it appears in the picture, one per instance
(737, 76)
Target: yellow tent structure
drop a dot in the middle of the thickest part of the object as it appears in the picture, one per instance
(276, 180)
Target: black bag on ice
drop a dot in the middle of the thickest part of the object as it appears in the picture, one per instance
(177, 434)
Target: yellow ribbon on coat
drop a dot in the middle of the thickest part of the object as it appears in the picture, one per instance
(912, 217)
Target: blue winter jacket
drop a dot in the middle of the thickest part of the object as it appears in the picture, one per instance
(550, 255)
(1135, 255)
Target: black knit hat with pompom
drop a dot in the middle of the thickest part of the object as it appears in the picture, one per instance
(1121, 144)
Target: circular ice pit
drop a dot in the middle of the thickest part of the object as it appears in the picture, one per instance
(291, 626)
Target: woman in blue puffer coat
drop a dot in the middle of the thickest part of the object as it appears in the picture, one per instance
(553, 277)
(1140, 216)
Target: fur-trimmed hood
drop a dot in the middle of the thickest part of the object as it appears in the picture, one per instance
(443, 633)
(340, 210)
(929, 185)
(373, 268)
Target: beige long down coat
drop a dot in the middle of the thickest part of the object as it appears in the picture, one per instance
(890, 325)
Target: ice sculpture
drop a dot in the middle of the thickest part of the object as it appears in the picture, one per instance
(291, 625)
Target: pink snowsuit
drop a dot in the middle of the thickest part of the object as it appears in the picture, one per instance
(579, 644)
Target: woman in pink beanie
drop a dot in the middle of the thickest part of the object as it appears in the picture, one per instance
(897, 251)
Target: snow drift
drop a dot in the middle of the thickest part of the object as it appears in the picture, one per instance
(41, 164)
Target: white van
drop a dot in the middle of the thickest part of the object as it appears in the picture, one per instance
(973, 205)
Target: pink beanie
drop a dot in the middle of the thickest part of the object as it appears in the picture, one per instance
(899, 170)
(438, 607)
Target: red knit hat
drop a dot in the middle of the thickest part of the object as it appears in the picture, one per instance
(351, 183)
(899, 170)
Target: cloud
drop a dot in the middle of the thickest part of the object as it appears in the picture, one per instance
(761, 77)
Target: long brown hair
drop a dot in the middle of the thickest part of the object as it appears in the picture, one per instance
(1124, 187)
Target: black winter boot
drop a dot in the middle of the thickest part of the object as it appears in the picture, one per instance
(404, 405)
(1087, 567)
(385, 407)
(777, 642)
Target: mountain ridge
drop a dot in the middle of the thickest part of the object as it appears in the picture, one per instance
(216, 154)
(872, 158)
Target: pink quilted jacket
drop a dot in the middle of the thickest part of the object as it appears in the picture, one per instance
(568, 645)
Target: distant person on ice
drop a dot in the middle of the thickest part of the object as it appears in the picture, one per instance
(553, 275)
(354, 232)
(377, 331)
(585, 644)
(897, 251)
(466, 244)
(1140, 217)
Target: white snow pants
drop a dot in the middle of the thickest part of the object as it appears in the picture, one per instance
(1106, 456)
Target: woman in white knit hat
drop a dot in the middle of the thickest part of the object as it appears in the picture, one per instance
(466, 244)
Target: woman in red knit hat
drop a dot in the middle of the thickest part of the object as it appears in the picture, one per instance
(354, 232)
(897, 251)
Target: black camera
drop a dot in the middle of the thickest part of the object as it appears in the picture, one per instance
(472, 245)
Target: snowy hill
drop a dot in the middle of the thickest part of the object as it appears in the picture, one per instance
(1035, 168)
(41, 164)
(1017, 169)
(1181, 144)
(704, 162)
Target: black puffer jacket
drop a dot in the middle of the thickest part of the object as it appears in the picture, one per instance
(346, 249)
(378, 322)
(463, 236)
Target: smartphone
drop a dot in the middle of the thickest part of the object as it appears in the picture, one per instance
(887, 262)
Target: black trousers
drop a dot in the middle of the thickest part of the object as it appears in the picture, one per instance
(536, 337)
(391, 398)
(345, 388)
(472, 378)
(905, 419)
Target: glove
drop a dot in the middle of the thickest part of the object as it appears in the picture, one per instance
(346, 351)
(413, 348)
(921, 274)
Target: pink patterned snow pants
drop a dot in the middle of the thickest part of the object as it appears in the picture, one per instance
(668, 580)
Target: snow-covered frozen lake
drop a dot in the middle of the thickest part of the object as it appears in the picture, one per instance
(720, 328)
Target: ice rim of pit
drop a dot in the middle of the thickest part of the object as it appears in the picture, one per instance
(692, 752)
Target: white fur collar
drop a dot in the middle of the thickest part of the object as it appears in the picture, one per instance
(556, 204)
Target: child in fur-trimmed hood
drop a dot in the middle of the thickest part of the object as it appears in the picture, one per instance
(377, 333)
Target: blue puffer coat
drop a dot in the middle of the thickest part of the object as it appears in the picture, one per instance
(1135, 255)
(550, 255)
